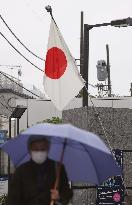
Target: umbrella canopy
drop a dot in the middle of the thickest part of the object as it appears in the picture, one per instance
(86, 157)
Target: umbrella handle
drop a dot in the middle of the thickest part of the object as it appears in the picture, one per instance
(58, 170)
(52, 202)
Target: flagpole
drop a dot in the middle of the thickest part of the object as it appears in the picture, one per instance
(59, 165)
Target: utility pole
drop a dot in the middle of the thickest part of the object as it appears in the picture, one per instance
(86, 63)
(108, 70)
(131, 89)
(81, 45)
(9, 163)
(116, 23)
(83, 71)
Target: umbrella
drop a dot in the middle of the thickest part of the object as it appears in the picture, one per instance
(85, 156)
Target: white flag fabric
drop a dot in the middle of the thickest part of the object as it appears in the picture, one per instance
(62, 81)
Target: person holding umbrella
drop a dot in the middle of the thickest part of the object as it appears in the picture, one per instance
(84, 155)
(33, 182)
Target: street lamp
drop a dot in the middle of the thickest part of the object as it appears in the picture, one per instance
(17, 113)
(116, 23)
(122, 22)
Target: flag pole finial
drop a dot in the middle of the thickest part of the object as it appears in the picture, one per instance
(49, 9)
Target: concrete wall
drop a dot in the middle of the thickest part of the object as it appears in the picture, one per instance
(117, 123)
(39, 110)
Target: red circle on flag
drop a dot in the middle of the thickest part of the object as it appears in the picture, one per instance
(56, 63)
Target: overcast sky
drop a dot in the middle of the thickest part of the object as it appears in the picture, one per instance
(30, 22)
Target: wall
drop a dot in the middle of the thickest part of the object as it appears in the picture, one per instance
(117, 123)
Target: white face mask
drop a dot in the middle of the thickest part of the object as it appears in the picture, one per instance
(39, 156)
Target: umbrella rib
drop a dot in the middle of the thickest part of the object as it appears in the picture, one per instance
(92, 160)
(73, 145)
(21, 158)
(70, 145)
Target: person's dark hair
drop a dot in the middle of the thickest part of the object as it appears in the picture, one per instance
(36, 138)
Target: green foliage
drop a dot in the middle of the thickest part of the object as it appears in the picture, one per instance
(3, 199)
(80, 94)
(54, 120)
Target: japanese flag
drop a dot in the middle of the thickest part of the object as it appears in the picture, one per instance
(62, 81)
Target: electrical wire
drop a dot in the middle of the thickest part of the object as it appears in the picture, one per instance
(4, 105)
(105, 135)
(94, 86)
(100, 121)
(19, 84)
(3, 116)
(14, 66)
(20, 52)
(6, 101)
(9, 101)
(20, 40)
(12, 77)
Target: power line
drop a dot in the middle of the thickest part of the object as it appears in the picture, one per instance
(14, 66)
(19, 84)
(3, 104)
(24, 56)
(92, 85)
(7, 102)
(20, 52)
(105, 135)
(12, 77)
(20, 40)
(7, 106)
(3, 116)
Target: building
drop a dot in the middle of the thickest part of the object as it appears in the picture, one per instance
(10, 90)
